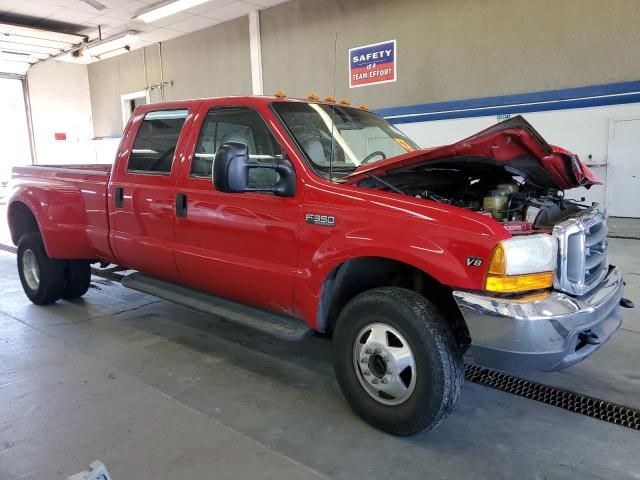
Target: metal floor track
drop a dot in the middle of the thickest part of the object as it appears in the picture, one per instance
(574, 402)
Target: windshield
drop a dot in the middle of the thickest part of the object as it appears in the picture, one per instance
(357, 137)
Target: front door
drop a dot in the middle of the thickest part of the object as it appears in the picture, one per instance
(242, 246)
(142, 192)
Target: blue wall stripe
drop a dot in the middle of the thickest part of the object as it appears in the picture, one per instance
(579, 97)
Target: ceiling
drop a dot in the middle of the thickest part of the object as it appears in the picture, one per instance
(113, 17)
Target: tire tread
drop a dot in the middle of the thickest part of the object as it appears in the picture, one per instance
(426, 317)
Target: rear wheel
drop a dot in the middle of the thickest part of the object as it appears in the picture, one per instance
(42, 278)
(77, 279)
(397, 361)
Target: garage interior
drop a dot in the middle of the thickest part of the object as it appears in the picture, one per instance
(156, 391)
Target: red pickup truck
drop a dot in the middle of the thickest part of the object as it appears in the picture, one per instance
(291, 216)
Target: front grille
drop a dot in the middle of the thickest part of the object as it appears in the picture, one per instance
(582, 252)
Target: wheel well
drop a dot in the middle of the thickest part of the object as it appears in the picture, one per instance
(21, 221)
(360, 274)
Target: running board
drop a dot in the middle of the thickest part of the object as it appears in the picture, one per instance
(283, 327)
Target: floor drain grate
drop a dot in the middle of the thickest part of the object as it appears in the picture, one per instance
(574, 402)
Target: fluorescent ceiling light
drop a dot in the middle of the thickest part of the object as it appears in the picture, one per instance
(166, 9)
(99, 49)
(114, 53)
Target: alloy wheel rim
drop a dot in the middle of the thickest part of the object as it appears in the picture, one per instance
(31, 269)
(384, 364)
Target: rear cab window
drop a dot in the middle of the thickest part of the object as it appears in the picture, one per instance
(154, 148)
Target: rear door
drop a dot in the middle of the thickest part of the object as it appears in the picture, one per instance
(242, 246)
(142, 191)
(624, 170)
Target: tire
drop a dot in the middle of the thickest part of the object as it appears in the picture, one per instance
(42, 278)
(388, 320)
(77, 279)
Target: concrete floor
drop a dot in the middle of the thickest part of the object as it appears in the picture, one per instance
(158, 392)
(620, 227)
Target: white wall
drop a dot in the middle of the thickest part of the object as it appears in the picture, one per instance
(584, 131)
(60, 103)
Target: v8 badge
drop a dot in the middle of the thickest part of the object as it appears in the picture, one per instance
(474, 261)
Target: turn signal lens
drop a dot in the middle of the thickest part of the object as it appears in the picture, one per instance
(498, 265)
(522, 263)
(519, 283)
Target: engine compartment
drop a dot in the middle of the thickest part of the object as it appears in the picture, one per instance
(508, 193)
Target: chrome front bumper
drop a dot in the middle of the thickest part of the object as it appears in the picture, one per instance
(544, 334)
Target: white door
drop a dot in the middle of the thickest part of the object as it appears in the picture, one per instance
(623, 177)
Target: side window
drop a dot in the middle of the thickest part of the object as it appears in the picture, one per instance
(236, 124)
(155, 144)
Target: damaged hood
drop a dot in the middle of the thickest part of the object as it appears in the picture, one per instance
(513, 143)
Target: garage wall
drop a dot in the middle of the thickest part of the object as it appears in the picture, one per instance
(451, 49)
(454, 51)
(60, 103)
(447, 50)
(211, 62)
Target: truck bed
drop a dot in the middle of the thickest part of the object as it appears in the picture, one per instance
(70, 203)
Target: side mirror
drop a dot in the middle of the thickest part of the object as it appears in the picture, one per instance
(231, 167)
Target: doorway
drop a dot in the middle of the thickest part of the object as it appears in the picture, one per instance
(623, 176)
(14, 129)
(130, 101)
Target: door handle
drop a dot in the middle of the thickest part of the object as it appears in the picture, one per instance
(181, 205)
(119, 197)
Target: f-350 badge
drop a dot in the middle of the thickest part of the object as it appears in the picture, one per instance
(324, 220)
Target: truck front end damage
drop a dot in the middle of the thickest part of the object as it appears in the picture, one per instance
(550, 297)
(552, 329)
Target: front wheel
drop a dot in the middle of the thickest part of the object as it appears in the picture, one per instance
(42, 278)
(397, 361)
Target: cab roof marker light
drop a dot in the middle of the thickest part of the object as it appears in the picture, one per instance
(166, 9)
(313, 96)
(363, 106)
(345, 101)
(330, 98)
(280, 94)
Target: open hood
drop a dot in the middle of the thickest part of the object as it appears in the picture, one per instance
(513, 143)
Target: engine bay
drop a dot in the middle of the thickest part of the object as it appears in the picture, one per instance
(509, 195)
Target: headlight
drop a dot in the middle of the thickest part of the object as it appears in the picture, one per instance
(523, 263)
